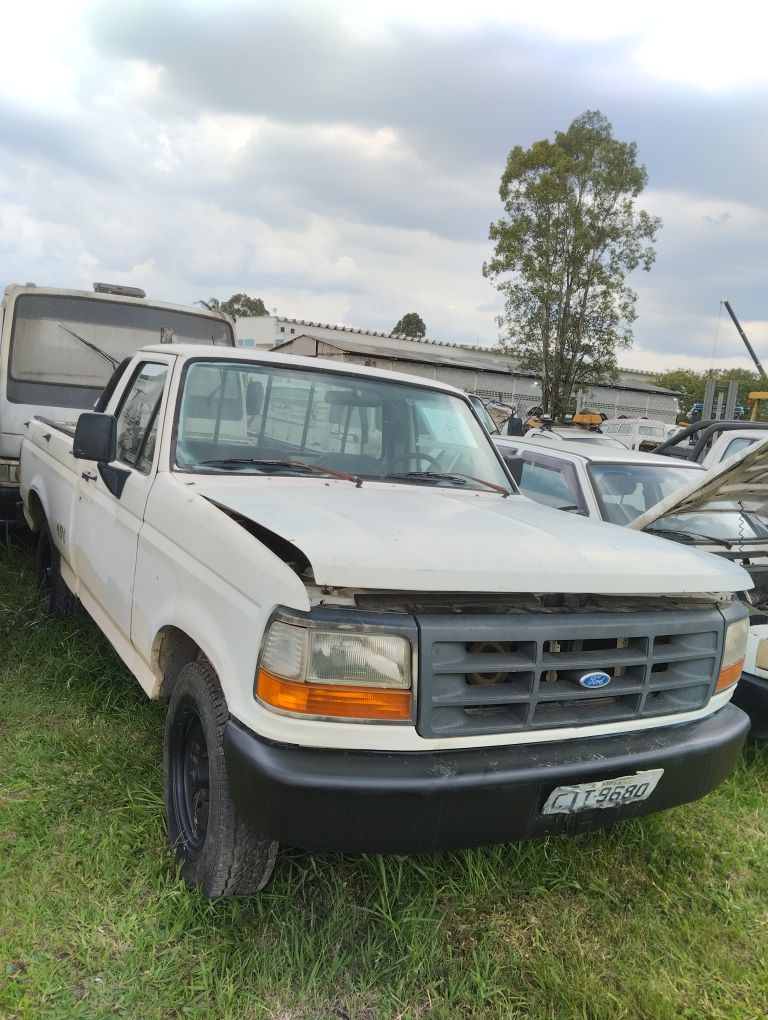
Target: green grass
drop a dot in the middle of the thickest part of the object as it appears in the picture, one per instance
(661, 918)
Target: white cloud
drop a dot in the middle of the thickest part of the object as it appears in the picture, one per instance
(341, 160)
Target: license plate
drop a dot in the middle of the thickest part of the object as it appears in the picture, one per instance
(609, 793)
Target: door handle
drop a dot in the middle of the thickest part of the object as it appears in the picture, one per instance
(88, 476)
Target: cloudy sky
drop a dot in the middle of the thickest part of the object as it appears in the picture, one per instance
(341, 160)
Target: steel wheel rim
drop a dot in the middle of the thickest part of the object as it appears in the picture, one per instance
(191, 781)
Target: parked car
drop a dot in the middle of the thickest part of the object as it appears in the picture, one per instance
(59, 347)
(370, 641)
(728, 445)
(634, 432)
(711, 442)
(722, 511)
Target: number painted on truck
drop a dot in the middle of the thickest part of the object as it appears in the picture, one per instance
(61, 532)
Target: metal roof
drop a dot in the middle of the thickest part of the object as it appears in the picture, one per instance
(486, 359)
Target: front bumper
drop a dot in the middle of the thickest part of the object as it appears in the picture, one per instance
(417, 802)
(751, 695)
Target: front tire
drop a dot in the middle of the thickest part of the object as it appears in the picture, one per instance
(60, 603)
(218, 851)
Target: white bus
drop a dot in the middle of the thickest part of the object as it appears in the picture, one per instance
(59, 347)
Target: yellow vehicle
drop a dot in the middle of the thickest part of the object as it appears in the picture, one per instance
(754, 399)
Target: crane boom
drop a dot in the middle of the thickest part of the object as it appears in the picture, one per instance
(743, 336)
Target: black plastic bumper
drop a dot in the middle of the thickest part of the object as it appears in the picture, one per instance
(11, 513)
(751, 695)
(424, 801)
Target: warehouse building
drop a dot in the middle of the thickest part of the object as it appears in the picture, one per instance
(489, 372)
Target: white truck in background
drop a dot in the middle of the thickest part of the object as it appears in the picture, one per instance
(368, 638)
(59, 347)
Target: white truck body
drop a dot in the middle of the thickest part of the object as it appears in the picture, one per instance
(46, 370)
(729, 444)
(317, 534)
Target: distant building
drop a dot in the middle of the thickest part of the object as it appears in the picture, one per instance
(487, 371)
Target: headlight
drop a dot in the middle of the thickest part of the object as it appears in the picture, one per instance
(335, 674)
(734, 647)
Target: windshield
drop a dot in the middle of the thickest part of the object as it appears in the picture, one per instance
(64, 348)
(728, 526)
(252, 418)
(627, 490)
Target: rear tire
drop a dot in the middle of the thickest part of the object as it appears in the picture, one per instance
(59, 601)
(218, 851)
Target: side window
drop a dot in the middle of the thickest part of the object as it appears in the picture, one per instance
(625, 429)
(137, 417)
(736, 446)
(550, 484)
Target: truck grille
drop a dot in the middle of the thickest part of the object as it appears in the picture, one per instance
(497, 673)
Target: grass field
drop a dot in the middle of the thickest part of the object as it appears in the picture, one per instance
(661, 918)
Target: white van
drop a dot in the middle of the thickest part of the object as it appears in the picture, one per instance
(631, 432)
(59, 347)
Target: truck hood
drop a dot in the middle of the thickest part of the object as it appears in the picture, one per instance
(738, 485)
(418, 538)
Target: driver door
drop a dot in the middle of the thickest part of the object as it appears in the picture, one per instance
(107, 526)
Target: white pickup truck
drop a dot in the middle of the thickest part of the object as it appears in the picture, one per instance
(370, 641)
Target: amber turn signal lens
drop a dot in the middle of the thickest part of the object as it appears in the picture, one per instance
(344, 702)
(729, 676)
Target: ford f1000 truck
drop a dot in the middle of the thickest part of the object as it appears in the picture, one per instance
(368, 638)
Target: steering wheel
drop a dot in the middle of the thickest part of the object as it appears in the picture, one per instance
(432, 462)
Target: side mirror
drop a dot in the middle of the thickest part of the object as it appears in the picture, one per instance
(95, 437)
(514, 426)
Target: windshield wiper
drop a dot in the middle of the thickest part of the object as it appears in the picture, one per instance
(301, 465)
(693, 537)
(107, 357)
(455, 476)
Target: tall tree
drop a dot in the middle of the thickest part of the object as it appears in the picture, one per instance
(570, 235)
(238, 306)
(411, 325)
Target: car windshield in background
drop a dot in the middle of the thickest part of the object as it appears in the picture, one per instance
(628, 490)
(724, 526)
(251, 418)
(64, 348)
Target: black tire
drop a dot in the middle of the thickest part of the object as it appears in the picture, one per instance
(59, 600)
(219, 852)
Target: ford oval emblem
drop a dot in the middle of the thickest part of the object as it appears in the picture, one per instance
(595, 679)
